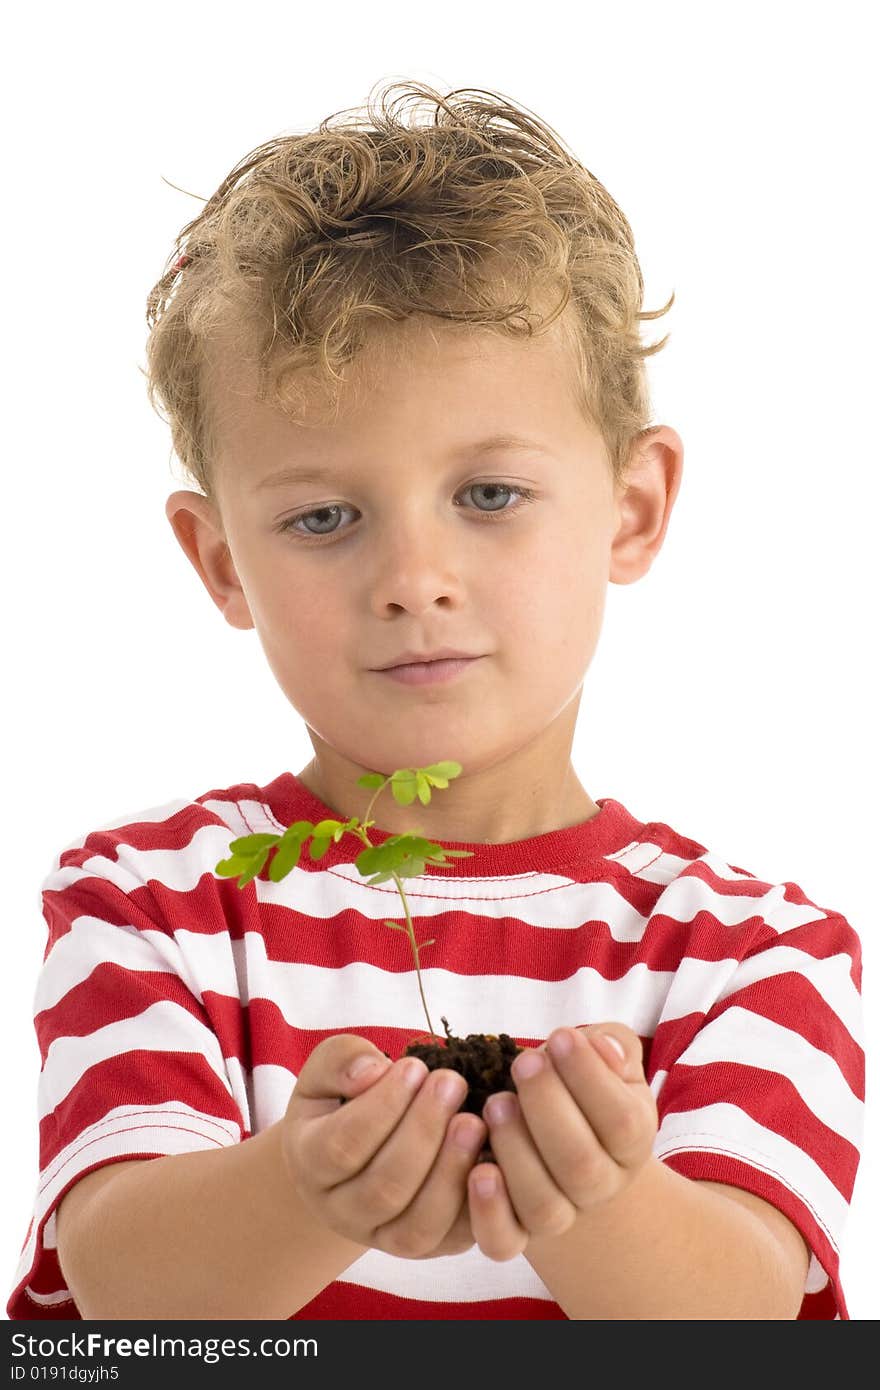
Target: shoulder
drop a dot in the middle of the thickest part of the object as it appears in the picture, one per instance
(182, 825)
(717, 900)
(137, 867)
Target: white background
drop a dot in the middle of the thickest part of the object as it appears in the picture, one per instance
(734, 692)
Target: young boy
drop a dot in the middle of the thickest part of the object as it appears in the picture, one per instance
(425, 563)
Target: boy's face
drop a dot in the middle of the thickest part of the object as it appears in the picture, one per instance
(425, 544)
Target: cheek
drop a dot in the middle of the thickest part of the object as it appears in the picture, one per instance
(299, 633)
(556, 594)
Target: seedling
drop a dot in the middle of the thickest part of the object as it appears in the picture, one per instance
(483, 1059)
(400, 857)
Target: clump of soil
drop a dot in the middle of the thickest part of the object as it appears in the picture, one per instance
(483, 1059)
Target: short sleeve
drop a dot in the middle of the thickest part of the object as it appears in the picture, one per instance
(131, 1063)
(765, 1089)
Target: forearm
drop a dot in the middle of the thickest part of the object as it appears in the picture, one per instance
(667, 1247)
(212, 1234)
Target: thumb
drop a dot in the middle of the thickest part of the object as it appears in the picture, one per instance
(339, 1068)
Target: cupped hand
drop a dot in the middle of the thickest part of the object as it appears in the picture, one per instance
(579, 1128)
(388, 1168)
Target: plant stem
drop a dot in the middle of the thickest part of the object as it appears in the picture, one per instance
(415, 951)
(410, 930)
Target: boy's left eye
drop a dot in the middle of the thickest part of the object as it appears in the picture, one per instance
(290, 524)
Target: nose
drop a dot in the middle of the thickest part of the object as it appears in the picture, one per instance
(417, 563)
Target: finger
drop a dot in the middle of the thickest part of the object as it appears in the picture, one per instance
(496, 1229)
(386, 1186)
(542, 1207)
(441, 1201)
(459, 1237)
(342, 1065)
(340, 1144)
(559, 1127)
(621, 1113)
(619, 1045)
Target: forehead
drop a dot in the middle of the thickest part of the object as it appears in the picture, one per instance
(420, 359)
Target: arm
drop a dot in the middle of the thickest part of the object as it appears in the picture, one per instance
(635, 1256)
(210, 1234)
(257, 1229)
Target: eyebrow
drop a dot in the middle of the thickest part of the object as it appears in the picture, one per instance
(315, 473)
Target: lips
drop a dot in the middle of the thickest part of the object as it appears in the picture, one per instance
(428, 672)
(424, 658)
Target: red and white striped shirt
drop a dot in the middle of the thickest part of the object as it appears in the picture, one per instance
(174, 1012)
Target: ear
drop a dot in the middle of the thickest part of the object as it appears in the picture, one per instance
(198, 527)
(644, 502)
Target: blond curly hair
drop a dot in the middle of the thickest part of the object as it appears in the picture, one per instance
(476, 216)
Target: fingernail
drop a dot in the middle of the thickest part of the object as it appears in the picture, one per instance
(560, 1044)
(485, 1186)
(609, 1040)
(466, 1136)
(526, 1065)
(450, 1089)
(499, 1108)
(366, 1062)
(413, 1072)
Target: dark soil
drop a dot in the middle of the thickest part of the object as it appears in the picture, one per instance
(483, 1059)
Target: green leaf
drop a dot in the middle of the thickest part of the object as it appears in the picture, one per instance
(370, 860)
(319, 846)
(414, 843)
(351, 824)
(403, 854)
(326, 828)
(403, 786)
(289, 849)
(411, 867)
(441, 773)
(424, 788)
(285, 861)
(372, 779)
(300, 830)
(254, 868)
(396, 925)
(249, 844)
(231, 868)
(439, 860)
(384, 856)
